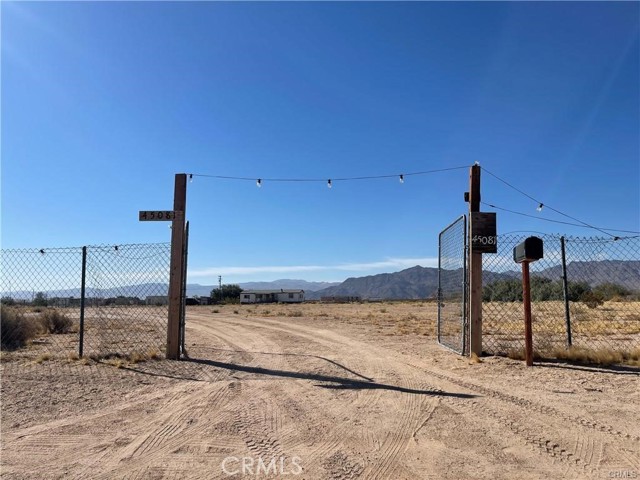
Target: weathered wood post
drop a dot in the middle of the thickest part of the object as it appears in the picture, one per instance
(176, 269)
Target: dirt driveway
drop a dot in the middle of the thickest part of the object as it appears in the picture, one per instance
(317, 398)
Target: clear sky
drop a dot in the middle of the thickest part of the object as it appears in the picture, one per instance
(102, 103)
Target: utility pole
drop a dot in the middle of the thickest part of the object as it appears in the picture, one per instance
(475, 267)
(176, 270)
(220, 286)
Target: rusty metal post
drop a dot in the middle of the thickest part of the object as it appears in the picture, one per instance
(526, 300)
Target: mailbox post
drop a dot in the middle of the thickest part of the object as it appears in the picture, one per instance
(524, 253)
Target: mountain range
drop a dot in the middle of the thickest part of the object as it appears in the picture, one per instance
(420, 282)
(413, 283)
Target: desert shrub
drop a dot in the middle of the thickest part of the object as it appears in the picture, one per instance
(15, 329)
(592, 299)
(295, 313)
(610, 291)
(542, 289)
(40, 300)
(57, 322)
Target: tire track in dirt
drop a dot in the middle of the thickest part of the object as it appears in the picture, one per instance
(336, 439)
(324, 338)
(535, 437)
(398, 440)
(168, 433)
(393, 443)
(267, 443)
(259, 435)
(531, 406)
(58, 441)
(530, 434)
(540, 419)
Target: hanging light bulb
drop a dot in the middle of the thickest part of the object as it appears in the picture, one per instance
(329, 183)
(401, 178)
(259, 183)
(540, 207)
(191, 178)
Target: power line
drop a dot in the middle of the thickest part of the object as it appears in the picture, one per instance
(560, 221)
(260, 180)
(541, 205)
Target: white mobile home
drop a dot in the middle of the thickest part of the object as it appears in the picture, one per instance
(272, 296)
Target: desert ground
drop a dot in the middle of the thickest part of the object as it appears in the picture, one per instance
(318, 392)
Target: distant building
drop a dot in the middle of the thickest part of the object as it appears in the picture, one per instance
(272, 296)
(341, 299)
(157, 300)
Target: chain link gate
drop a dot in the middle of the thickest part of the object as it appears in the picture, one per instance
(452, 286)
(98, 301)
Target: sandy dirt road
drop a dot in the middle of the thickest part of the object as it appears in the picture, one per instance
(300, 398)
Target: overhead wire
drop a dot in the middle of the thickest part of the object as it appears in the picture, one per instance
(603, 229)
(542, 204)
(401, 176)
(330, 181)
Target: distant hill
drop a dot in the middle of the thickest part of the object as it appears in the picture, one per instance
(141, 291)
(194, 289)
(420, 282)
(413, 283)
(620, 272)
(288, 284)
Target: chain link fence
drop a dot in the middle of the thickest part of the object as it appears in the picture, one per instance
(99, 301)
(451, 286)
(585, 293)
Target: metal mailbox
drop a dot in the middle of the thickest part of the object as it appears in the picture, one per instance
(528, 251)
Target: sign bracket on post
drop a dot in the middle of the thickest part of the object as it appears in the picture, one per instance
(176, 269)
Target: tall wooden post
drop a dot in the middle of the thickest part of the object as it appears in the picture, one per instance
(475, 268)
(176, 269)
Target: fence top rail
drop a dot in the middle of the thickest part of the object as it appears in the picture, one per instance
(62, 250)
(568, 238)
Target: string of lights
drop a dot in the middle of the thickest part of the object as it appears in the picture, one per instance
(602, 229)
(329, 181)
(402, 176)
(542, 205)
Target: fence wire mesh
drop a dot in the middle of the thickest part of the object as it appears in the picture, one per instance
(125, 304)
(451, 286)
(126, 299)
(602, 307)
(40, 301)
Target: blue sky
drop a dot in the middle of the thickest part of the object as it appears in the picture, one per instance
(102, 103)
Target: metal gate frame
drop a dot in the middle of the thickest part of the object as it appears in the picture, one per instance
(183, 293)
(462, 346)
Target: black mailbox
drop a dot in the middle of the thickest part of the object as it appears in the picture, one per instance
(528, 251)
